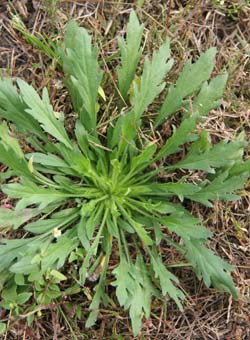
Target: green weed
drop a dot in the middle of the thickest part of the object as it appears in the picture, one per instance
(86, 199)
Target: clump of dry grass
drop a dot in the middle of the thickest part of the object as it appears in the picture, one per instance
(193, 27)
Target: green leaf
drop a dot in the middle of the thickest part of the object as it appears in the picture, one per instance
(210, 95)
(45, 225)
(94, 306)
(141, 232)
(47, 160)
(108, 184)
(9, 146)
(186, 226)
(23, 297)
(11, 250)
(59, 276)
(151, 82)
(42, 111)
(140, 162)
(18, 165)
(9, 141)
(12, 108)
(24, 265)
(240, 168)
(221, 187)
(13, 218)
(150, 86)
(124, 282)
(170, 189)
(210, 267)
(93, 221)
(208, 160)
(57, 253)
(30, 193)
(139, 302)
(19, 279)
(130, 54)
(2, 327)
(179, 137)
(80, 63)
(166, 278)
(83, 138)
(50, 294)
(100, 294)
(189, 81)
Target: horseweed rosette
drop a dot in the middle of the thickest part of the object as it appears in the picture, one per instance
(80, 199)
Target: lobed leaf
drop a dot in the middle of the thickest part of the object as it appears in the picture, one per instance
(210, 267)
(151, 82)
(188, 82)
(130, 55)
(42, 111)
(29, 193)
(166, 280)
(210, 95)
(197, 159)
(12, 108)
(80, 64)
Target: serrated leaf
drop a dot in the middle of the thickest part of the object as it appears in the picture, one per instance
(130, 54)
(12, 108)
(150, 86)
(186, 226)
(151, 83)
(179, 189)
(139, 302)
(189, 81)
(56, 253)
(240, 168)
(166, 279)
(212, 158)
(124, 281)
(210, 267)
(80, 63)
(10, 250)
(30, 193)
(140, 162)
(42, 111)
(222, 187)
(18, 165)
(210, 95)
(108, 176)
(140, 230)
(179, 137)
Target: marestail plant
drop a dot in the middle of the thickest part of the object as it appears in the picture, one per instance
(79, 200)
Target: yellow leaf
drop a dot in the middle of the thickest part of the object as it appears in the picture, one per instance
(30, 164)
(101, 93)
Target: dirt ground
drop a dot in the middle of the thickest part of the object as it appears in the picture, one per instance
(193, 26)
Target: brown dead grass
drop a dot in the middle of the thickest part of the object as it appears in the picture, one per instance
(193, 27)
